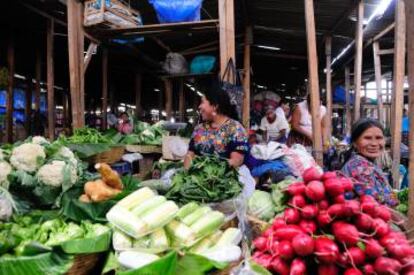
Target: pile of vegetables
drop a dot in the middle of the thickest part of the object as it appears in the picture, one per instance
(403, 199)
(209, 179)
(148, 225)
(322, 233)
(145, 134)
(86, 135)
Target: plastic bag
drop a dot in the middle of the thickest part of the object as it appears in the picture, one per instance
(298, 159)
(175, 63)
(173, 11)
(271, 151)
(202, 64)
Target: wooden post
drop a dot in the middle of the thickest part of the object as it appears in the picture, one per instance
(246, 80)
(38, 75)
(378, 80)
(138, 93)
(398, 88)
(227, 39)
(65, 108)
(348, 100)
(359, 40)
(168, 98)
(28, 107)
(50, 79)
(10, 86)
(313, 81)
(409, 11)
(104, 88)
(181, 101)
(76, 62)
(328, 53)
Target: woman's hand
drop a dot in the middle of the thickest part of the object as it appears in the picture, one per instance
(188, 159)
(236, 159)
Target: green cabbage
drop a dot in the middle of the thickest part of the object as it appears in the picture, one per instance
(261, 206)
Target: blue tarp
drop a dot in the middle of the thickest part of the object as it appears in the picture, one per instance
(339, 95)
(173, 11)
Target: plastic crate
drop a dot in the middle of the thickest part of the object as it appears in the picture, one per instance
(122, 168)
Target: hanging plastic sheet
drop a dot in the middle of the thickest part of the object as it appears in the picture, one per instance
(173, 11)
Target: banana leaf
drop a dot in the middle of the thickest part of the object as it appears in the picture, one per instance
(51, 263)
(166, 265)
(96, 244)
(192, 264)
(84, 151)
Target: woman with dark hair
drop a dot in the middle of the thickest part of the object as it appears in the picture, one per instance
(367, 138)
(220, 133)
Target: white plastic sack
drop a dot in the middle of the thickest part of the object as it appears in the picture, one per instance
(271, 151)
(130, 158)
(298, 159)
(175, 63)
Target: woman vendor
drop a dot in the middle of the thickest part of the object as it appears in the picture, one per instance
(220, 133)
(368, 143)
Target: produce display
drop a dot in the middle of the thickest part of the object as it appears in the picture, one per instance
(322, 233)
(209, 179)
(86, 135)
(145, 134)
(403, 199)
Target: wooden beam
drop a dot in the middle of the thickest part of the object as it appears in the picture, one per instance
(10, 86)
(76, 61)
(104, 88)
(384, 32)
(386, 52)
(328, 54)
(281, 55)
(359, 40)
(181, 100)
(378, 80)
(246, 80)
(398, 88)
(348, 117)
(51, 116)
(409, 11)
(345, 15)
(88, 56)
(314, 82)
(28, 107)
(227, 39)
(38, 75)
(168, 98)
(138, 95)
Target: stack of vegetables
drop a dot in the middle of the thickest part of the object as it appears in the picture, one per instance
(322, 233)
(147, 224)
(145, 134)
(403, 199)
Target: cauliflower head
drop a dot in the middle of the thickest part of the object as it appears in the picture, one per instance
(5, 170)
(53, 173)
(68, 154)
(40, 140)
(27, 157)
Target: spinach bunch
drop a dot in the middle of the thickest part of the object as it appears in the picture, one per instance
(209, 179)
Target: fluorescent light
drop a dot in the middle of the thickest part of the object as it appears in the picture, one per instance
(283, 84)
(268, 48)
(172, 120)
(342, 53)
(156, 90)
(164, 113)
(200, 94)
(261, 86)
(189, 110)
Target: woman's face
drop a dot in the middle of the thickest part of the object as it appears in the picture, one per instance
(206, 109)
(371, 143)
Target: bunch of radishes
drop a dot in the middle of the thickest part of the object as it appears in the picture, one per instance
(322, 232)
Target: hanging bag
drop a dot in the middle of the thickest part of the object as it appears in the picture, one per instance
(234, 90)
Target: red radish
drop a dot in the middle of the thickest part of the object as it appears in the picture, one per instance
(279, 266)
(334, 187)
(367, 198)
(328, 175)
(339, 199)
(327, 270)
(268, 232)
(298, 267)
(288, 232)
(368, 269)
(356, 255)
(315, 190)
(347, 184)
(310, 211)
(278, 222)
(384, 213)
(364, 222)
(291, 215)
(400, 250)
(324, 219)
(297, 201)
(353, 271)
(371, 208)
(390, 239)
(373, 249)
(308, 226)
(352, 208)
(285, 250)
(345, 233)
(260, 243)
(381, 228)
(303, 245)
(323, 205)
(264, 260)
(297, 188)
(336, 210)
(385, 266)
(343, 260)
(273, 246)
(312, 173)
(326, 250)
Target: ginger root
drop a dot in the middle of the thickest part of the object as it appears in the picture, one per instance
(99, 191)
(109, 176)
(85, 198)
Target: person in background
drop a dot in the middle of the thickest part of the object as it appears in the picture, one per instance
(124, 124)
(283, 109)
(273, 126)
(405, 128)
(256, 114)
(111, 119)
(220, 133)
(368, 142)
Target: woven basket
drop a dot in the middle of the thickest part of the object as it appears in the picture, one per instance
(110, 156)
(144, 149)
(84, 264)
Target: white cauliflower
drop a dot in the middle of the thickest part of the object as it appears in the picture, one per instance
(67, 153)
(40, 140)
(53, 173)
(27, 157)
(5, 170)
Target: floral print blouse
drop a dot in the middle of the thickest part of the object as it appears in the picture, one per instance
(369, 180)
(229, 137)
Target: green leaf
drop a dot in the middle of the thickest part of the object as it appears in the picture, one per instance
(84, 151)
(166, 265)
(97, 244)
(192, 264)
(258, 269)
